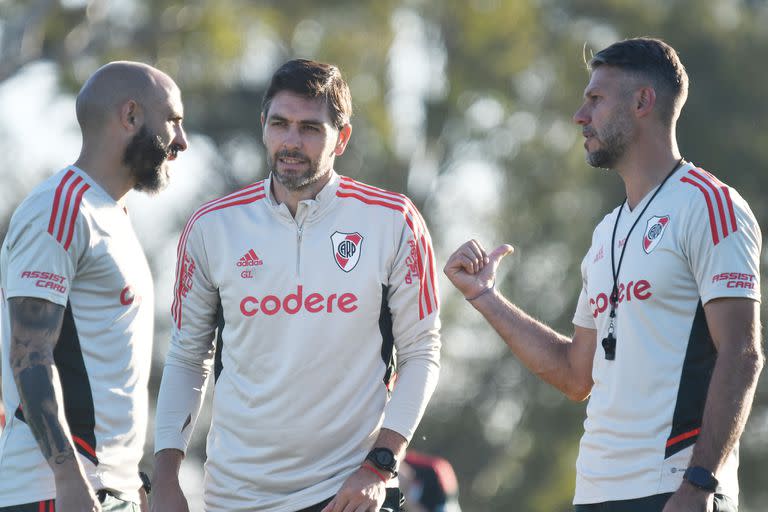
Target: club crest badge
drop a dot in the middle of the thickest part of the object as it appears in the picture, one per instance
(346, 249)
(654, 230)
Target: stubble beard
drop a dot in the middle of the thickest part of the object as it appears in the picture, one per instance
(295, 182)
(614, 139)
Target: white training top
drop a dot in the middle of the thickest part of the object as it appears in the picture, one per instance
(697, 241)
(308, 311)
(70, 243)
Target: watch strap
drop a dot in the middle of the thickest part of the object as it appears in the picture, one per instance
(384, 459)
(702, 478)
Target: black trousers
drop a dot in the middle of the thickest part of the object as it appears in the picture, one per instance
(40, 506)
(392, 503)
(653, 503)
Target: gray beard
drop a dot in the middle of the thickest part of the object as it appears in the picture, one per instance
(297, 181)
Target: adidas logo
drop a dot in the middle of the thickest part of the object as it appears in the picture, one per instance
(250, 259)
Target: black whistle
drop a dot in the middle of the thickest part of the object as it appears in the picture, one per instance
(609, 345)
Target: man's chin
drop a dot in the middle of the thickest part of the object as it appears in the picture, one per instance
(598, 160)
(293, 181)
(156, 183)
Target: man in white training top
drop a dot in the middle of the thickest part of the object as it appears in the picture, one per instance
(667, 326)
(78, 305)
(323, 291)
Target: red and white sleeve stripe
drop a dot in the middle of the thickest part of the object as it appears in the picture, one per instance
(722, 218)
(246, 195)
(66, 206)
(425, 258)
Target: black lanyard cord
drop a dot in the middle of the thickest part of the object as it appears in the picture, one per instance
(609, 342)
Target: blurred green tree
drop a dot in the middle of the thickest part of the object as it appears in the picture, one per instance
(465, 105)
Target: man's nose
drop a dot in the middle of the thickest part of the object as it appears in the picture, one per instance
(180, 140)
(581, 117)
(292, 139)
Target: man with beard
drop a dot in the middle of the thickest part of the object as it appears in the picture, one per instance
(78, 305)
(317, 283)
(667, 329)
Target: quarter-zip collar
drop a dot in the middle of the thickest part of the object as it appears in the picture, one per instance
(308, 210)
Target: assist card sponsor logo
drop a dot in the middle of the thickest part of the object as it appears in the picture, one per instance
(47, 280)
(187, 271)
(412, 262)
(735, 280)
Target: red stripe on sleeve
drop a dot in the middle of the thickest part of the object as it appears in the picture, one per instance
(423, 273)
(712, 222)
(75, 211)
(727, 194)
(56, 199)
(734, 226)
(716, 193)
(65, 211)
(243, 196)
(431, 266)
(425, 262)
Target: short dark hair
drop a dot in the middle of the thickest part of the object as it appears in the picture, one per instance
(314, 80)
(654, 60)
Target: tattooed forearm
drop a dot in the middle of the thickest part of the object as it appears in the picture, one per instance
(35, 327)
(41, 411)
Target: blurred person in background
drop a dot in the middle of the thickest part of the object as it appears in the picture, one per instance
(667, 331)
(77, 308)
(321, 287)
(429, 483)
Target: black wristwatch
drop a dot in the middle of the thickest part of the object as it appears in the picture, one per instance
(146, 484)
(701, 477)
(383, 458)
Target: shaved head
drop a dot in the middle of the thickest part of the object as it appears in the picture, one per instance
(112, 85)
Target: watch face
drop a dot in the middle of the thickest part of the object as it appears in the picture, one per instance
(383, 458)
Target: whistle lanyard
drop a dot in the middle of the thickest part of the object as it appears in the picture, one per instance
(609, 342)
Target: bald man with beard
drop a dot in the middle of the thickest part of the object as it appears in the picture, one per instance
(77, 305)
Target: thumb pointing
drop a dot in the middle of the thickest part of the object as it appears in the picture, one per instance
(501, 251)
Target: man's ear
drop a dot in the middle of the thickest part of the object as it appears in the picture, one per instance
(341, 142)
(645, 101)
(131, 115)
(263, 129)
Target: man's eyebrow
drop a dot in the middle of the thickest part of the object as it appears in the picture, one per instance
(278, 117)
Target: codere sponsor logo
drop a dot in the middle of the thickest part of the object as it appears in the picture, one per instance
(294, 303)
(638, 290)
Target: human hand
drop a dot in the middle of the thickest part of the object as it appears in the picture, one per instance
(363, 491)
(690, 499)
(471, 270)
(75, 494)
(143, 500)
(167, 496)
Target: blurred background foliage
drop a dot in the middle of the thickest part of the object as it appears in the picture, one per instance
(464, 105)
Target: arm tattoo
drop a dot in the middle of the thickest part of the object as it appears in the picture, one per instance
(35, 328)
